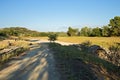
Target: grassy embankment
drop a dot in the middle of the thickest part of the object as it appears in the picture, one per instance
(79, 65)
(7, 51)
(20, 43)
(70, 59)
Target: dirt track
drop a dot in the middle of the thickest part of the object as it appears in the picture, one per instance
(37, 64)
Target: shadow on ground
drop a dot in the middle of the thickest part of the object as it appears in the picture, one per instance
(37, 64)
(82, 62)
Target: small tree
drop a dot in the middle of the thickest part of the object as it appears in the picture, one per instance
(52, 37)
(115, 26)
(105, 31)
(72, 31)
(96, 32)
(85, 31)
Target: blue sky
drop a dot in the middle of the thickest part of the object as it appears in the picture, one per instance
(57, 15)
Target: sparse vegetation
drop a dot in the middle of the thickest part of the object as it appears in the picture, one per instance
(16, 48)
(5, 56)
(66, 56)
(19, 43)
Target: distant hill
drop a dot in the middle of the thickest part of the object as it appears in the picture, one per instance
(24, 32)
(20, 31)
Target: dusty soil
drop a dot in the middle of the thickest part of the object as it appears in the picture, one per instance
(37, 64)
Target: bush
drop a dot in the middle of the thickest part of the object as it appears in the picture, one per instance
(52, 37)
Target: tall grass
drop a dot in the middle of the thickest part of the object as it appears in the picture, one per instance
(19, 43)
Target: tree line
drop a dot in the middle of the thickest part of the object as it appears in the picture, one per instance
(24, 32)
(21, 32)
(112, 29)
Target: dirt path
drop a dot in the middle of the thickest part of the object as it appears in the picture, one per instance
(38, 64)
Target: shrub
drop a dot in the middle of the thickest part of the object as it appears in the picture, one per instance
(52, 37)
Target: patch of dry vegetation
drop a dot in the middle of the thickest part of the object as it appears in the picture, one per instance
(105, 42)
(19, 43)
(38, 38)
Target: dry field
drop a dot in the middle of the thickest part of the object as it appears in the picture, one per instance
(102, 41)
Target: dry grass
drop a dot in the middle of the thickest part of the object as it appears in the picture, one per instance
(102, 41)
(39, 38)
(3, 44)
(21, 43)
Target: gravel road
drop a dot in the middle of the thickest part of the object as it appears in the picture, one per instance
(37, 64)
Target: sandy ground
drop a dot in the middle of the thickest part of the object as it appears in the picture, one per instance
(37, 64)
(62, 43)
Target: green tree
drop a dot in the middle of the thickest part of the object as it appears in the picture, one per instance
(72, 32)
(2, 33)
(115, 26)
(105, 31)
(85, 31)
(96, 32)
(52, 37)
